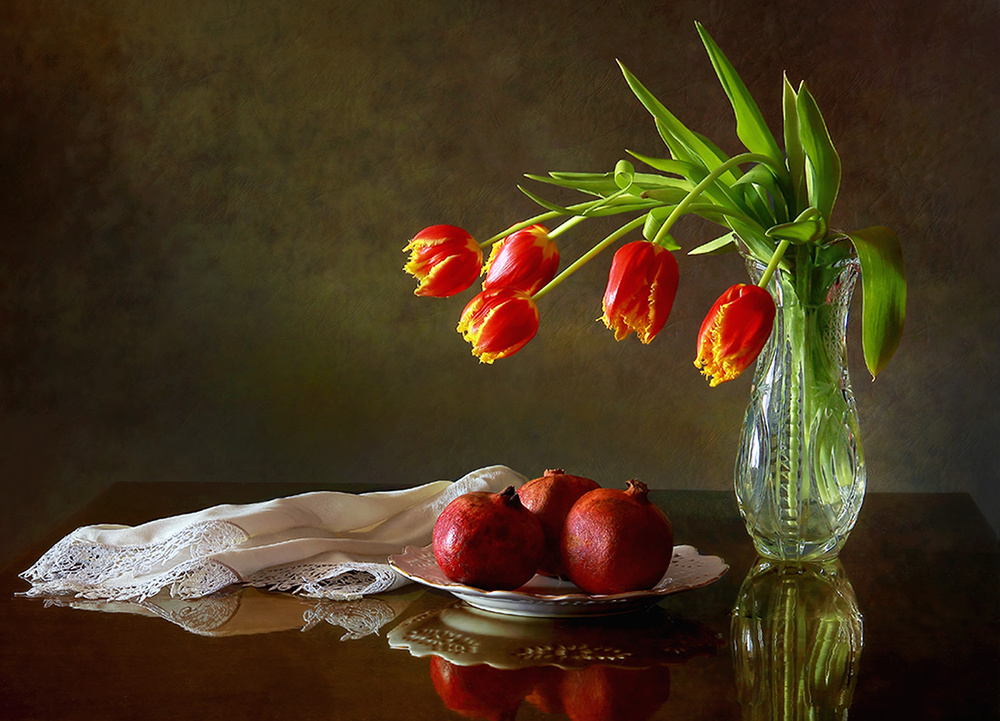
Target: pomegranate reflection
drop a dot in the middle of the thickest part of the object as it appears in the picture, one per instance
(487, 666)
(593, 693)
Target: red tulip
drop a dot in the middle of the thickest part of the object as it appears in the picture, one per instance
(499, 322)
(525, 260)
(641, 289)
(734, 332)
(445, 259)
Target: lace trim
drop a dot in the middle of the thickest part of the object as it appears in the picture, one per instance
(98, 571)
(334, 581)
(191, 579)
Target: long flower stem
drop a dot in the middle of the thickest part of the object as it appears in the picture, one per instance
(772, 265)
(579, 212)
(563, 227)
(589, 255)
(520, 226)
(682, 207)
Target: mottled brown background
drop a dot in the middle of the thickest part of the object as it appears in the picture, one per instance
(203, 207)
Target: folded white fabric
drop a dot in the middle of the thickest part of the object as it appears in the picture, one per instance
(324, 544)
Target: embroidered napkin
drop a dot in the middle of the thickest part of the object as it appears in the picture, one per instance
(324, 544)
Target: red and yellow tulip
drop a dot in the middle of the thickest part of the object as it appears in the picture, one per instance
(641, 290)
(525, 260)
(444, 259)
(734, 332)
(498, 322)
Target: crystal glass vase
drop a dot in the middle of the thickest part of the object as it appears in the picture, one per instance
(800, 471)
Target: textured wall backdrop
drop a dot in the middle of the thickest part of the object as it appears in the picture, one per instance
(203, 207)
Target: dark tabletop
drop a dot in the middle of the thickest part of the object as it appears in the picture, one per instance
(906, 626)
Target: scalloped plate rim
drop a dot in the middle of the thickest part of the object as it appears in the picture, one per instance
(535, 602)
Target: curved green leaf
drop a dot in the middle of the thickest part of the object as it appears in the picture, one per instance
(602, 184)
(683, 143)
(799, 231)
(545, 203)
(883, 284)
(794, 154)
(672, 166)
(723, 244)
(624, 174)
(654, 221)
(750, 125)
(823, 166)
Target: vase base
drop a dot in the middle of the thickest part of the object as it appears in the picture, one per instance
(787, 549)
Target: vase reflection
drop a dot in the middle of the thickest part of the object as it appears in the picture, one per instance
(485, 665)
(797, 635)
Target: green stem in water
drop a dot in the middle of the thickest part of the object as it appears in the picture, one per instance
(697, 190)
(589, 255)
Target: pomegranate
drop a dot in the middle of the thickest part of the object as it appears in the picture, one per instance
(488, 540)
(550, 498)
(616, 540)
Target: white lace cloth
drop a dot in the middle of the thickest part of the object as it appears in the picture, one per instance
(324, 544)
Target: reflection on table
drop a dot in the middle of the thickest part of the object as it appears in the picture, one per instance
(248, 611)
(485, 665)
(797, 635)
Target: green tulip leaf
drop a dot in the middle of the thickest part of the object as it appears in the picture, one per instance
(723, 244)
(810, 226)
(666, 195)
(883, 287)
(689, 171)
(823, 163)
(624, 174)
(759, 174)
(602, 184)
(794, 154)
(684, 144)
(750, 126)
(545, 203)
(798, 232)
(654, 221)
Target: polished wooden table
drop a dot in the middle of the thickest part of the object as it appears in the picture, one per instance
(907, 626)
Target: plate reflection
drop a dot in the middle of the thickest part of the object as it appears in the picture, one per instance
(485, 665)
(797, 635)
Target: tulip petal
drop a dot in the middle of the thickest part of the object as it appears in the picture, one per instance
(734, 332)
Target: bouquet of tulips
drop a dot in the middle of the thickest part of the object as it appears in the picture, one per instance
(775, 206)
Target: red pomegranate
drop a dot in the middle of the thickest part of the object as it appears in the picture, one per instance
(488, 540)
(550, 498)
(616, 541)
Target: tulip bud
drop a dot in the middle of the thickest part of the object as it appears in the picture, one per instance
(734, 332)
(641, 289)
(444, 259)
(499, 322)
(525, 260)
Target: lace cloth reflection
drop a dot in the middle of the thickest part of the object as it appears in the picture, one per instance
(324, 544)
(249, 611)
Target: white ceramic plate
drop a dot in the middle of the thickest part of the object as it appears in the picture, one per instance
(546, 597)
